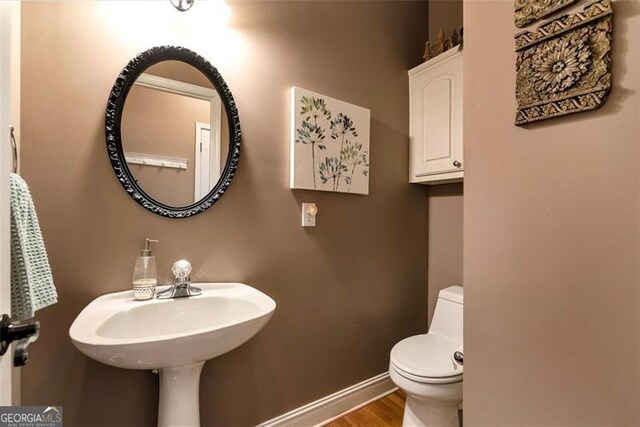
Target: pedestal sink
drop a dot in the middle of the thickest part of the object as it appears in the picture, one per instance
(175, 336)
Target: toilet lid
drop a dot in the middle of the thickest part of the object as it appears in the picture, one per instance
(428, 356)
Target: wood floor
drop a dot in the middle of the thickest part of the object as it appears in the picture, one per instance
(386, 412)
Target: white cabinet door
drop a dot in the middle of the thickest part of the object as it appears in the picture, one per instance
(435, 89)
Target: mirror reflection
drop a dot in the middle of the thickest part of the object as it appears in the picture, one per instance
(175, 133)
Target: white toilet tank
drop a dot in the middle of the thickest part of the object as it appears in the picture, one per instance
(447, 318)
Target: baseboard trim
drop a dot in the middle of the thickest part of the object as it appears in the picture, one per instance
(331, 407)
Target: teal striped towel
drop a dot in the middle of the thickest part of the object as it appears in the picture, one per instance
(31, 280)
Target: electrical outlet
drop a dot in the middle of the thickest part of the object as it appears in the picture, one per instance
(309, 212)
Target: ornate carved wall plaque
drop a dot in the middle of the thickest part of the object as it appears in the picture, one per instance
(528, 11)
(563, 67)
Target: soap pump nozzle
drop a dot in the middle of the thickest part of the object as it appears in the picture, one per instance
(147, 246)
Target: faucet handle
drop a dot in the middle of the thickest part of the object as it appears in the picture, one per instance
(182, 287)
(181, 269)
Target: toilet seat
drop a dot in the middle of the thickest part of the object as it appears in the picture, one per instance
(427, 358)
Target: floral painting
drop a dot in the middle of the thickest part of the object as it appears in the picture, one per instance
(329, 144)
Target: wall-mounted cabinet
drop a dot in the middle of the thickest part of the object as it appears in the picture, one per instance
(435, 96)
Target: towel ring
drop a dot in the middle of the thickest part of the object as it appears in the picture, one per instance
(14, 146)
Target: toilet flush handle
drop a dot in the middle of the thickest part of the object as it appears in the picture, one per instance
(459, 357)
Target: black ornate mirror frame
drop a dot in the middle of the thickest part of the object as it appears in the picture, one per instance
(115, 107)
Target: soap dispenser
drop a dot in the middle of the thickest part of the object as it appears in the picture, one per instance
(144, 273)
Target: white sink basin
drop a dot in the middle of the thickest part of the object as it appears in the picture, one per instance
(119, 331)
(174, 335)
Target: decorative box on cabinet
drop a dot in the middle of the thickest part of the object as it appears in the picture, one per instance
(435, 123)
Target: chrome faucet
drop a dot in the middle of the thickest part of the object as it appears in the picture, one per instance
(182, 286)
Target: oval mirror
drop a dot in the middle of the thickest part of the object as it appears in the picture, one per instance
(173, 132)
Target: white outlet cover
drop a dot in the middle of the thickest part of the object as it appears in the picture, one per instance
(307, 219)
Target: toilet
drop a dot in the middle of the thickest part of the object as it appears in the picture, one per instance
(428, 367)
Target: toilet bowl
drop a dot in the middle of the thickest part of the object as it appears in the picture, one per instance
(424, 366)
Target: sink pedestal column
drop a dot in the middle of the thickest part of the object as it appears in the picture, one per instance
(180, 396)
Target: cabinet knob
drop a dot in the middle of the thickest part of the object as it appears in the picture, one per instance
(457, 164)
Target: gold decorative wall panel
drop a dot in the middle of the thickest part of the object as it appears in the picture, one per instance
(563, 67)
(528, 11)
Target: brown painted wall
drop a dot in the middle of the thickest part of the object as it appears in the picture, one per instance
(346, 291)
(444, 201)
(444, 255)
(552, 241)
(445, 14)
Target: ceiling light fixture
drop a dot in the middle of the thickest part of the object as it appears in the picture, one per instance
(182, 5)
